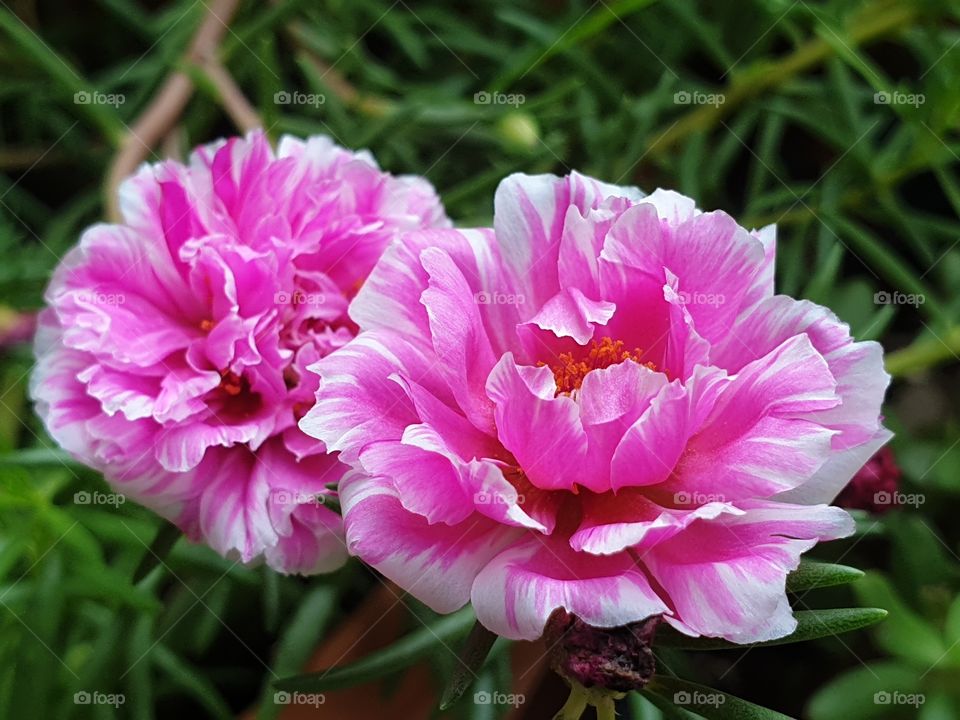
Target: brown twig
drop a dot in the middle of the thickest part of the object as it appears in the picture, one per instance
(370, 105)
(164, 110)
(235, 103)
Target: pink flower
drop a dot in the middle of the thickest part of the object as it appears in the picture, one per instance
(598, 405)
(173, 354)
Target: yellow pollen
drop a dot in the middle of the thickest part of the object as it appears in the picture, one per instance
(569, 372)
(206, 325)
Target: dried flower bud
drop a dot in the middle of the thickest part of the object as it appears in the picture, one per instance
(617, 659)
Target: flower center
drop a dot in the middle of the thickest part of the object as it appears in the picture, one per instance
(234, 398)
(233, 384)
(569, 372)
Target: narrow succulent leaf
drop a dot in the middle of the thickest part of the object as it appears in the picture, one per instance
(812, 575)
(472, 656)
(166, 537)
(708, 702)
(811, 624)
(401, 654)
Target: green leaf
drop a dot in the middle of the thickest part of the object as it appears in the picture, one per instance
(192, 681)
(403, 653)
(811, 624)
(298, 640)
(166, 537)
(39, 456)
(812, 575)
(939, 707)
(852, 695)
(952, 630)
(708, 702)
(472, 655)
(905, 634)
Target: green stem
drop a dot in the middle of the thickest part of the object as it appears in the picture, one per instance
(924, 353)
(575, 705)
(869, 25)
(606, 709)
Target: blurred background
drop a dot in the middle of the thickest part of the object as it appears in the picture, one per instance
(836, 120)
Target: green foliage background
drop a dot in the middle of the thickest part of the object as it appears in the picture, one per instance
(866, 195)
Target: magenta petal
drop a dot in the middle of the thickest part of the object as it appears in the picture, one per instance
(725, 577)
(857, 367)
(570, 313)
(459, 337)
(543, 432)
(426, 481)
(612, 523)
(763, 435)
(529, 216)
(517, 591)
(436, 563)
(358, 402)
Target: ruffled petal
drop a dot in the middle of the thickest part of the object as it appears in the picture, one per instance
(437, 563)
(726, 577)
(763, 435)
(517, 591)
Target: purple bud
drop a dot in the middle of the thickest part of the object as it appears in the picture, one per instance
(617, 659)
(875, 485)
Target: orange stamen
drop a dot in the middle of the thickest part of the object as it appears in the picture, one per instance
(231, 383)
(569, 373)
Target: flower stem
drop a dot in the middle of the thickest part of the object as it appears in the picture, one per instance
(875, 21)
(575, 705)
(606, 710)
(924, 353)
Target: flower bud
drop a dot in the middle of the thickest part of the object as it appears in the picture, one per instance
(878, 479)
(618, 659)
